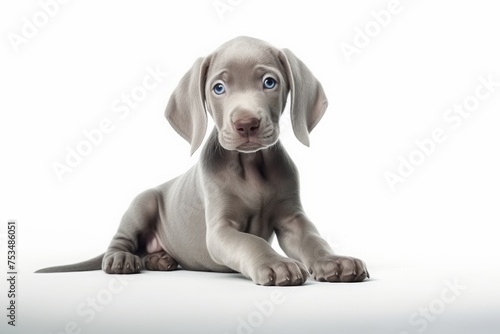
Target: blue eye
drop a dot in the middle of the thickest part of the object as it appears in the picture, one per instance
(269, 83)
(219, 89)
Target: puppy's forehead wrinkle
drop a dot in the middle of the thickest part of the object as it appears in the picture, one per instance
(232, 58)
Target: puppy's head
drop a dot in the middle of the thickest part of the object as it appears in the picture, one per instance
(244, 85)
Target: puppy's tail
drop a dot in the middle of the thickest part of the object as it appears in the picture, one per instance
(92, 264)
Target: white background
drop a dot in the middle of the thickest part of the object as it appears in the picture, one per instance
(443, 218)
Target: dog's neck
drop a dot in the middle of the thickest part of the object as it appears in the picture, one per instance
(254, 164)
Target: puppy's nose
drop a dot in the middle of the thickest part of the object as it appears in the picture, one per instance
(247, 126)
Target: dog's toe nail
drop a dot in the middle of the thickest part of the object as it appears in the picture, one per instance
(128, 265)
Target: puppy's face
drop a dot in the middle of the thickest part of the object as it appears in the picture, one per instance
(244, 85)
(246, 94)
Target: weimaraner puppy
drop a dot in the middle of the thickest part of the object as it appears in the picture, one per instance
(222, 213)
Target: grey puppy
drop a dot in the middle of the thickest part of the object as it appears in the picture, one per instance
(222, 213)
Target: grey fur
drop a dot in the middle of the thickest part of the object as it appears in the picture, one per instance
(221, 214)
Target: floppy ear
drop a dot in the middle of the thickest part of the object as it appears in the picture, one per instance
(308, 100)
(185, 110)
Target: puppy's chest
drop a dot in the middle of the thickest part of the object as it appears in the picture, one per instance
(256, 188)
(256, 202)
(252, 182)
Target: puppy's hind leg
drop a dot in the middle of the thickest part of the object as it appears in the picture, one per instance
(159, 261)
(156, 257)
(138, 222)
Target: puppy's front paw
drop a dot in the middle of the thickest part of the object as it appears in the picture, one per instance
(333, 268)
(280, 271)
(121, 263)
